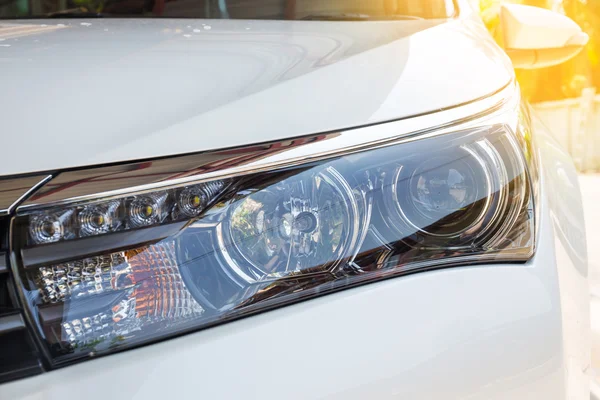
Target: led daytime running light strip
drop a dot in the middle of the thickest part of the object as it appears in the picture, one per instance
(123, 214)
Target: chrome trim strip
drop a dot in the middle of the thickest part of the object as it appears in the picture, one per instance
(94, 245)
(145, 176)
(15, 190)
(31, 191)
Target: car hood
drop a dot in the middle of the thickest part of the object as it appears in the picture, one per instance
(86, 92)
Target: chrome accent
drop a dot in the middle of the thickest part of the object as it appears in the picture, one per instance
(15, 190)
(141, 177)
(96, 245)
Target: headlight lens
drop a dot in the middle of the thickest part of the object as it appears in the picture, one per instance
(113, 273)
(309, 220)
(440, 187)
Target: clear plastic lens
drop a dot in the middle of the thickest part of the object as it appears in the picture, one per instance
(306, 221)
(276, 237)
(98, 219)
(48, 228)
(135, 289)
(441, 187)
(194, 199)
(84, 277)
(147, 210)
(123, 214)
(446, 194)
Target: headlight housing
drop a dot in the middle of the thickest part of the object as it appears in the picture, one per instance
(112, 272)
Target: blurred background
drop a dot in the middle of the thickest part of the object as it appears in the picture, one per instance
(568, 80)
(567, 96)
(567, 100)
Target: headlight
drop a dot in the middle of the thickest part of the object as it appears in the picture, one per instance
(105, 274)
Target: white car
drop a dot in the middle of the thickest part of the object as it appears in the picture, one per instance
(280, 199)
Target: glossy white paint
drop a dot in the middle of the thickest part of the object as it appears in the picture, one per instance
(97, 91)
(562, 198)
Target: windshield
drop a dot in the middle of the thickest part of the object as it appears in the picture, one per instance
(343, 10)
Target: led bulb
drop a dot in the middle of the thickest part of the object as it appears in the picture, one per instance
(98, 219)
(49, 228)
(147, 210)
(192, 201)
(86, 219)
